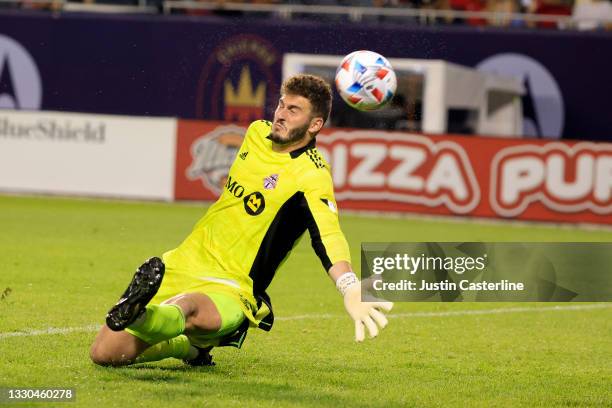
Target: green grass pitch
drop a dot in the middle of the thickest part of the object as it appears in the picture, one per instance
(66, 261)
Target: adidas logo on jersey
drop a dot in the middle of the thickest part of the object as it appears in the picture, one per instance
(243, 155)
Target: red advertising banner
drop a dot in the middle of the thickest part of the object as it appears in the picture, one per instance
(405, 172)
(204, 153)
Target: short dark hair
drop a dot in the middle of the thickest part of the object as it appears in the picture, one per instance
(313, 88)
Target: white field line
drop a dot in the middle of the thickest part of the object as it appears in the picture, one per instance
(465, 312)
(502, 222)
(50, 330)
(94, 327)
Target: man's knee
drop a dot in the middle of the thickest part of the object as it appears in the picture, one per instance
(105, 356)
(115, 348)
(98, 356)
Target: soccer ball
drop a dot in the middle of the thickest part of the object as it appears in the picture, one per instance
(365, 80)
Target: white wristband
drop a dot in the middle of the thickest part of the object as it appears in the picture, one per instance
(345, 281)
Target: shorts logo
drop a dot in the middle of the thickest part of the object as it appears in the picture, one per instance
(254, 203)
(245, 302)
(270, 182)
(20, 83)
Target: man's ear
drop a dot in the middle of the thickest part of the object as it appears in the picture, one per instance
(315, 125)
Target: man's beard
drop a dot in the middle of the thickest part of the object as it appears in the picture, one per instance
(293, 137)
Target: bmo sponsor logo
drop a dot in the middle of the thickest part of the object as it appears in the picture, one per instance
(564, 178)
(402, 168)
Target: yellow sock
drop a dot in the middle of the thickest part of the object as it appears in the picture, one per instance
(161, 322)
(177, 347)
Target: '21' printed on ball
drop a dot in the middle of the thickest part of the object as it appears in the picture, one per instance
(365, 80)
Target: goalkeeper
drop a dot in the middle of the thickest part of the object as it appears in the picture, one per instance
(212, 288)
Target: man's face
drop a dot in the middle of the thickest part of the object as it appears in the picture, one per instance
(292, 120)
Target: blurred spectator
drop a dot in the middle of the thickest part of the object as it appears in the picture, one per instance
(220, 10)
(8, 5)
(550, 8)
(436, 5)
(502, 8)
(321, 17)
(470, 5)
(593, 14)
(53, 5)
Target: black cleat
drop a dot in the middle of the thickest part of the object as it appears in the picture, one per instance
(203, 358)
(144, 286)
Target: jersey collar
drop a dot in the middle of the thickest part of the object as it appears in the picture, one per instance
(296, 153)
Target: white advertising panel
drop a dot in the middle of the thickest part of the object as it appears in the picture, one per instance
(87, 154)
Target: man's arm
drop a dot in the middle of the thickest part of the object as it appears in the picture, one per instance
(338, 269)
(332, 248)
(365, 314)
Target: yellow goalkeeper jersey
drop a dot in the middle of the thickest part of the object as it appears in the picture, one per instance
(270, 199)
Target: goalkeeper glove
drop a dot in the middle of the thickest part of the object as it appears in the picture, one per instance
(365, 314)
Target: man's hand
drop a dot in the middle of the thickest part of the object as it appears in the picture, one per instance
(365, 314)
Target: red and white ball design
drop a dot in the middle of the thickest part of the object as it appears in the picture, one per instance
(365, 80)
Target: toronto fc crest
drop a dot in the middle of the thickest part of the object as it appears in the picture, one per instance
(270, 182)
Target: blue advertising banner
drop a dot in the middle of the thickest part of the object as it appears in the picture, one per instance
(230, 69)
